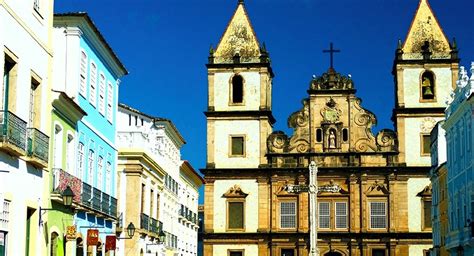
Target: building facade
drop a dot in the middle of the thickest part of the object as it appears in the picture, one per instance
(189, 183)
(151, 169)
(374, 192)
(87, 71)
(25, 124)
(438, 176)
(459, 139)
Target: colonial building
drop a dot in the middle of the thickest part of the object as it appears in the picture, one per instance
(374, 192)
(460, 165)
(24, 124)
(87, 71)
(189, 183)
(438, 176)
(158, 191)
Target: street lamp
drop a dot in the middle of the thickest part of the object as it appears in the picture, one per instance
(67, 196)
(161, 237)
(130, 232)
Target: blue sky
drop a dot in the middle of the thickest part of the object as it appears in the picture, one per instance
(165, 44)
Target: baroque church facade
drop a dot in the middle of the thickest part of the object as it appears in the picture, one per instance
(374, 194)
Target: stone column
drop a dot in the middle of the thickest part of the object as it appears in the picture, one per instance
(354, 204)
(263, 205)
(209, 206)
(71, 247)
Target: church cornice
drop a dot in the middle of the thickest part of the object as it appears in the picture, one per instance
(430, 111)
(241, 65)
(257, 114)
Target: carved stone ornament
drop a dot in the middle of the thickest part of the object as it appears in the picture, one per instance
(331, 80)
(427, 124)
(331, 188)
(235, 192)
(277, 142)
(377, 188)
(426, 192)
(330, 113)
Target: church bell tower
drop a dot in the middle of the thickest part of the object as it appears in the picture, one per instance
(239, 117)
(425, 71)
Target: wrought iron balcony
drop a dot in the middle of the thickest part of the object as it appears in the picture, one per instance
(12, 133)
(144, 221)
(105, 203)
(154, 226)
(86, 194)
(96, 200)
(113, 207)
(63, 179)
(37, 147)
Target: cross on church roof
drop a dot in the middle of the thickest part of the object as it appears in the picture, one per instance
(331, 52)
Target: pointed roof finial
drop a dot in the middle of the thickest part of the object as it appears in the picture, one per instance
(454, 45)
(241, 2)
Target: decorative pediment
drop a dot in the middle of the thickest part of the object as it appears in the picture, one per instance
(332, 188)
(426, 192)
(282, 190)
(376, 189)
(235, 192)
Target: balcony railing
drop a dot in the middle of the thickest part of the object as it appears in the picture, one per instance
(63, 179)
(113, 206)
(105, 203)
(96, 205)
(86, 197)
(13, 130)
(38, 144)
(144, 221)
(154, 226)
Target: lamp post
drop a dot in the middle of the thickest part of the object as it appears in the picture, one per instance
(67, 196)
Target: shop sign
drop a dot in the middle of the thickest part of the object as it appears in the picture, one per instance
(110, 243)
(71, 232)
(92, 237)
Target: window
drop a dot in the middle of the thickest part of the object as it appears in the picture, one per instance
(235, 253)
(93, 84)
(70, 153)
(4, 214)
(426, 253)
(80, 160)
(345, 135)
(100, 170)
(427, 214)
(235, 215)
(378, 215)
(341, 214)
(378, 252)
(287, 252)
(152, 206)
(108, 176)
(110, 102)
(102, 94)
(142, 206)
(319, 135)
(425, 144)
(237, 146)
(324, 215)
(427, 86)
(91, 167)
(287, 214)
(8, 96)
(83, 74)
(34, 107)
(237, 89)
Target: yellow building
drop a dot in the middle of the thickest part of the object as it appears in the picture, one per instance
(375, 194)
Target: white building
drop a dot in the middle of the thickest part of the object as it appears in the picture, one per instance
(25, 40)
(151, 146)
(460, 143)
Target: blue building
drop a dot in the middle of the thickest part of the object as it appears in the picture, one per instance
(92, 72)
(460, 163)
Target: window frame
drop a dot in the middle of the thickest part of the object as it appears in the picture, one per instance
(369, 212)
(109, 102)
(422, 146)
(244, 148)
(420, 87)
(90, 165)
(93, 83)
(332, 213)
(280, 215)
(229, 251)
(83, 68)
(102, 84)
(80, 160)
(235, 200)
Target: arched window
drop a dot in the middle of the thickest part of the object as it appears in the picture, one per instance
(319, 135)
(237, 89)
(427, 86)
(345, 135)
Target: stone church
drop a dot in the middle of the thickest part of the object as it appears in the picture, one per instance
(374, 195)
